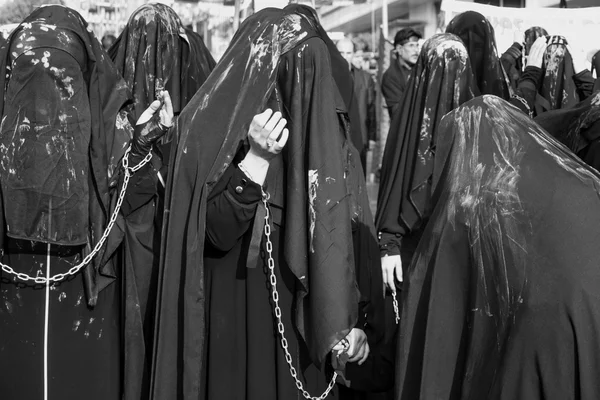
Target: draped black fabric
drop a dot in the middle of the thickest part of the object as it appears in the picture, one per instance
(558, 89)
(578, 128)
(77, 162)
(477, 34)
(323, 195)
(501, 299)
(441, 81)
(154, 52)
(341, 73)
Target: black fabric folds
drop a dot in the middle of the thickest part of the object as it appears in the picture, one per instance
(154, 52)
(89, 132)
(341, 73)
(578, 128)
(272, 49)
(477, 34)
(558, 89)
(502, 297)
(441, 81)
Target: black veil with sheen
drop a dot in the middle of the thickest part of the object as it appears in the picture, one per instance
(154, 52)
(477, 34)
(502, 299)
(558, 89)
(441, 81)
(324, 197)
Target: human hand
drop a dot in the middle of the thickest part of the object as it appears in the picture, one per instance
(152, 125)
(391, 267)
(267, 134)
(536, 53)
(355, 345)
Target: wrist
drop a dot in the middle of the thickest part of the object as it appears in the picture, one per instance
(255, 167)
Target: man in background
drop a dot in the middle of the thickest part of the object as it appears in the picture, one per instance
(393, 84)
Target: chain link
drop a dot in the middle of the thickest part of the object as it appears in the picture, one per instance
(40, 280)
(396, 309)
(277, 311)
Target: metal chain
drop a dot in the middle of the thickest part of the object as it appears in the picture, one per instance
(396, 310)
(277, 311)
(74, 270)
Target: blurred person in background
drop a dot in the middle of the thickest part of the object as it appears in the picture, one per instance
(393, 83)
(363, 94)
(108, 40)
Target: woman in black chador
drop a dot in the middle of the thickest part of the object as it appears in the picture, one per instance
(502, 299)
(477, 34)
(61, 140)
(441, 81)
(216, 333)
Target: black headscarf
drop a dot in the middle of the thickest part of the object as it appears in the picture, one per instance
(578, 128)
(324, 193)
(155, 53)
(69, 168)
(477, 34)
(558, 89)
(441, 81)
(501, 300)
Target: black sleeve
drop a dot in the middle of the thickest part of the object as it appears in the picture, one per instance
(525, 95)
(584, 81)
(230, 209)
(511, 61)
(389, 243)
(392, 90)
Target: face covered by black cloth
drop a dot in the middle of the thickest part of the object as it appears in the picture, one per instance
(60, 144)
(502, 297)
(558, 88)
(477, 34)
(441, 81)
(154, 52)
(324, 194)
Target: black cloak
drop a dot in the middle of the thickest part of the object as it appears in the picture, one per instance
(502, 299)
(324, 197)
(154, 52)
(341, 73)
(578, 128)
(477, 34)
(97, 152)
(441, 81)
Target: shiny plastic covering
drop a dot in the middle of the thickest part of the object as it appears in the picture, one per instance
(502, 299)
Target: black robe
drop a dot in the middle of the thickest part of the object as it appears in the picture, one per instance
(441, 81)
(321, 194)
(501, 299)
(61, 141)
(557, 89)
(477, 34)
(578, 128)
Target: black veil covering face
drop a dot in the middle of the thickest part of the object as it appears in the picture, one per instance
(60, 143)
(558, 89)
(154, 52)
(477, 34)
(511, 242)
(578, 128)
(320, 191)
(441, 81)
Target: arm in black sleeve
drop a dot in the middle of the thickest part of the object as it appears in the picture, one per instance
(511, 62)
(392, 90)
(524, 97)
(584, 81)
(230, 211)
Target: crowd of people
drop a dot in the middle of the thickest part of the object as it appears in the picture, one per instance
(176, 228)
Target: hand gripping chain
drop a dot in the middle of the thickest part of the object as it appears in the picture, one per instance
(74, 270)
(277, 311)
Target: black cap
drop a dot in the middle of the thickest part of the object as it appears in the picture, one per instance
(404, 35)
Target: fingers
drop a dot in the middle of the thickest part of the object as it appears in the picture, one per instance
(388, 265)
(398, 269)
(272, 122)
(353, 345)
(262, 118)
(168, 104)
(155, 105)
(366, 352)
